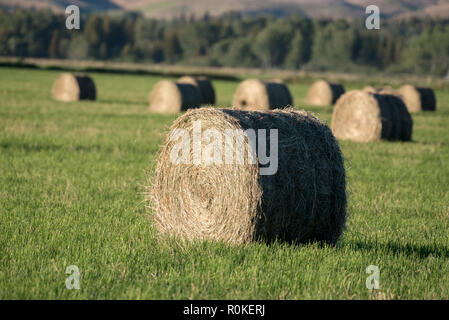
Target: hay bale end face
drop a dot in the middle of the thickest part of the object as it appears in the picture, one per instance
(204, 85)
(303, 201)
(254, 94)
(171, 97)
(418, 99)
(363, 116)
(323, 93)
(70, 87)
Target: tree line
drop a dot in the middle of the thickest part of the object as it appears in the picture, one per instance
(233, 40)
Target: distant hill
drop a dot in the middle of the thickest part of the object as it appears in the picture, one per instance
(350, 9)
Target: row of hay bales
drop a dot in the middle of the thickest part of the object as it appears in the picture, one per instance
(190, 93)
(366, 115)
(186, 93)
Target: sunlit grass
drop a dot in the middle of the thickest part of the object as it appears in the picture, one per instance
(70, 194)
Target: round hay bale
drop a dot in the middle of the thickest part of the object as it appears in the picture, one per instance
(73, 87)
(171, 97)
(405, 119)
(402, 123)
(254, 94)
(323, 93)
(362, 116)
(418, 99)
(303, 201)
(204, 85)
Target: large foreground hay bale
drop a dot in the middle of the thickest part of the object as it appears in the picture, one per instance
(304, 201)
(363, 116)
(323, 93)
(418, 99)
(254, 94)
(73, 87)
(171, 97)
(204, 85)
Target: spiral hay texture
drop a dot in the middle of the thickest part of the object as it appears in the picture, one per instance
(304, 201)
(171, 97)
(418, 99)
(205, 87)
(363, 116)
(323, 93)
(254, 94)
(70, 87)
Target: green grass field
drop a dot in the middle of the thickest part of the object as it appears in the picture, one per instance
(71, 184)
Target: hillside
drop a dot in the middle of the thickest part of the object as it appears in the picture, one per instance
(350, 9)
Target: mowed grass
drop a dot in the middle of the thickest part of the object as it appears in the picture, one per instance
(71, 184)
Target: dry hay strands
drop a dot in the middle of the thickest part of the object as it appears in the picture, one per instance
(370, 89)
(253, 94)
(381, 90)
(363, 116)
(418, 98)
(323, 93)
(304, 201)
(204, 85)
(172, 97)
(74, 87)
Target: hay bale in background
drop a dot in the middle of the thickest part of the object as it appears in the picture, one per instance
(73, 87)
(323, 93)
(403, 128)
(370, 89)
(418, 99)
(362, 116)
(205, 87)
(405, 119)
(254, 94)
(171, 97)
(304, 201)
(382, 90)
(388, 91)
